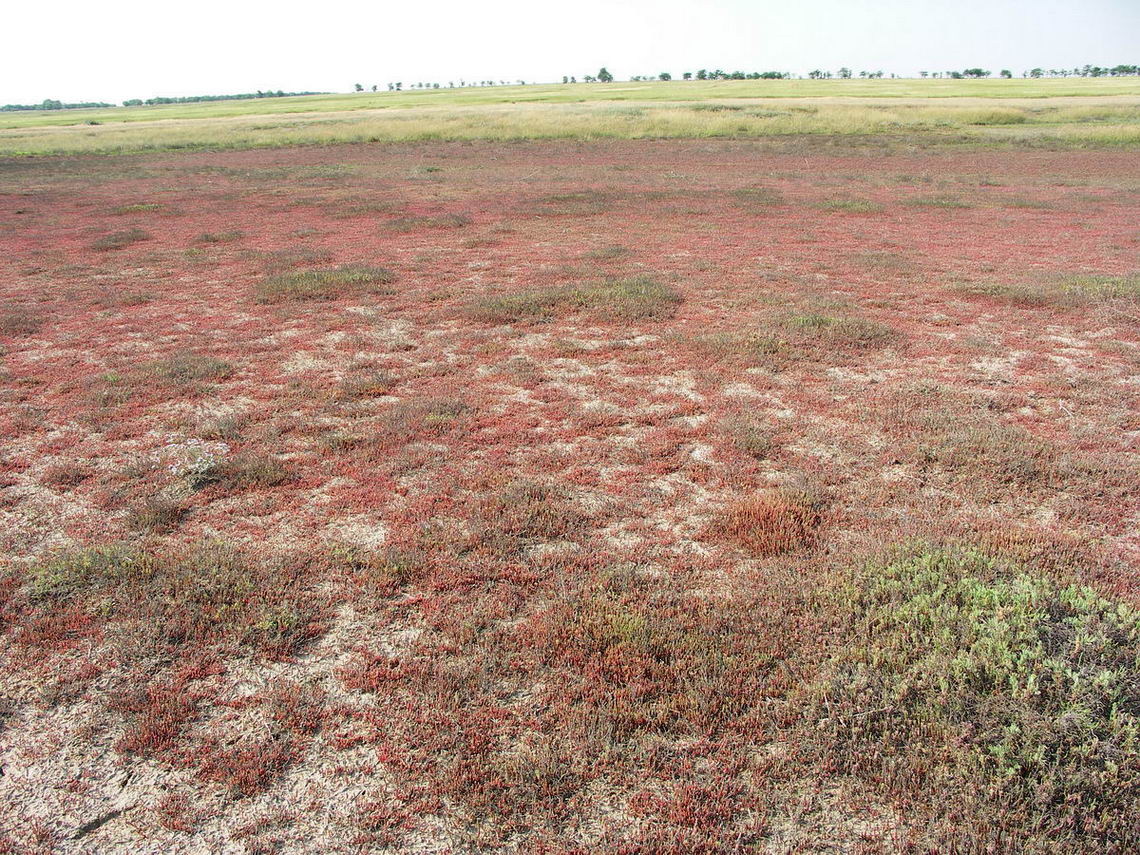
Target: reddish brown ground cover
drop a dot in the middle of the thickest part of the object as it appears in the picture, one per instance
(467, 497)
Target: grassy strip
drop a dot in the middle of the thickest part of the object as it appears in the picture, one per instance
(1113, 121)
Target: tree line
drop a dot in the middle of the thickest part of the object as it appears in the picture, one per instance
(194, 99)
(844, 73)
(49, 104)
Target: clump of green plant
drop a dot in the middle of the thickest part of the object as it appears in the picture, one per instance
(851, 206)
(404, 225)
(120, 239)
(1015, 697)
(324, 284)
(937, 202)
(852, 332)
(628, 298)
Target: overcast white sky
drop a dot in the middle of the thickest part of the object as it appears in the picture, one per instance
(117, 49)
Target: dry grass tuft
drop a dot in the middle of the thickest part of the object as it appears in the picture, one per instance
(405, 225)
(349, 279)
(628, 298)
(120, 239)
(20, 320)
(1068, 290)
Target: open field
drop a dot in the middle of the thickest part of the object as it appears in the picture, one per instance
(1069, 112)
(632, 496)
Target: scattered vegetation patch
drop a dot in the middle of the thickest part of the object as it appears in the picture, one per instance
(365, 383)
(231, 236)
(20, 320)
(404, 225)
(937, 202)
(156, 515)
(120, 239)
(379, 573)
(138, 208)
(521, 513)
(207, 593)
(848, 332)
(1076, 289)
(771, 523)
(751, 436)
(414, 419)
(67, 474)
(241, 472)
(608, 253)
(884, 261)
(851, 206)
(757, 200)
(1014, 698)
(324, 284)
(186, 368)
(577, 203)
(628, 298)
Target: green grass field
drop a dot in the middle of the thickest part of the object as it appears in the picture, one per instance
(1054, 112)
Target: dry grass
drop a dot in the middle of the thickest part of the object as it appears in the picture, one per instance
(120, 239)
(20, 320)
(1075, 289)
(628, 298)
(406, 225)
(304, 285)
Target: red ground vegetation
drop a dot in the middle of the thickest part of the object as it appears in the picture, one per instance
(471, 497)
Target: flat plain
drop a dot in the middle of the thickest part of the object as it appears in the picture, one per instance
(776, 493)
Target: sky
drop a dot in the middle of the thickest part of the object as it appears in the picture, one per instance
(119, 49)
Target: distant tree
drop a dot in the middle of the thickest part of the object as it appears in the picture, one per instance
(573, 79)
(133, 102)
(924, 74)
(565, 79)
(815, 74)
(975, 73)
(1006, 73)
(358, 87)
(688, 75)
(664, 75)
(845, 73)
(374, 87)
(702, 75)
(399, 86)
(604, 76)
